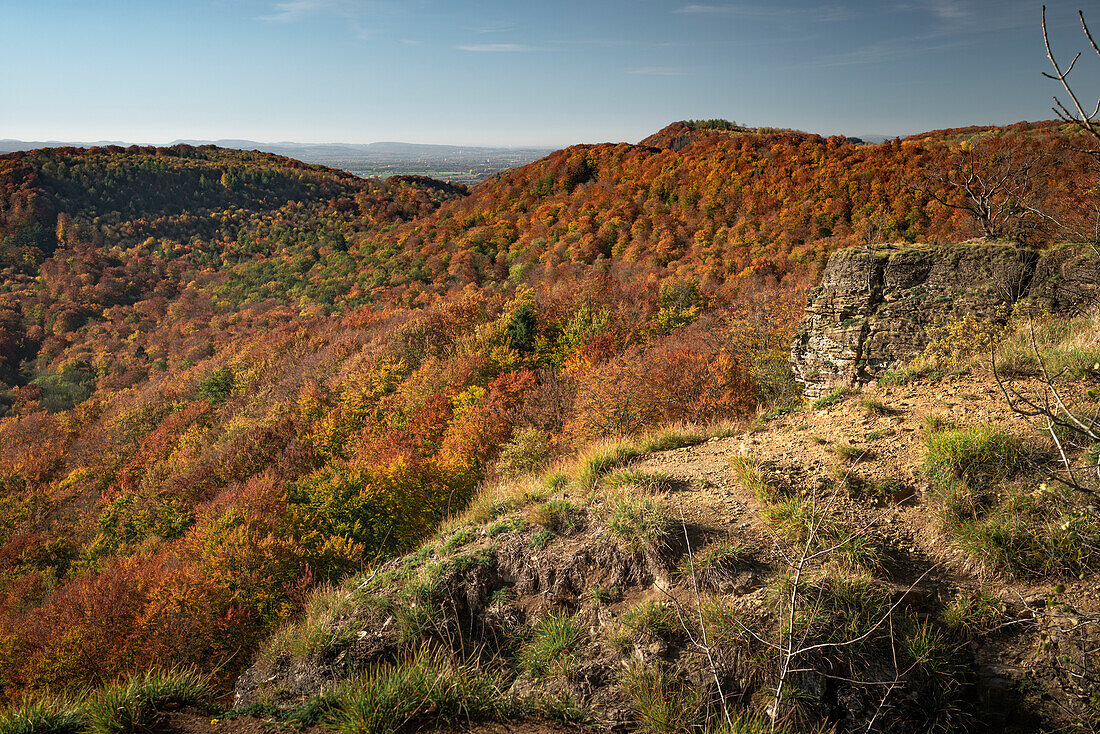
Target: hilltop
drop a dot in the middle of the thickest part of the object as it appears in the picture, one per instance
(231, 377)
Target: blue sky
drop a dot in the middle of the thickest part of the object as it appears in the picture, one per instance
(519, 73)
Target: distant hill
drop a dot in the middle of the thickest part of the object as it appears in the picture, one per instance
(452, 163)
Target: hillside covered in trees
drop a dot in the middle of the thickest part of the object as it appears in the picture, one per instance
(228, 376)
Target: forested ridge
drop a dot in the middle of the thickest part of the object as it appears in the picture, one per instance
(229, 376)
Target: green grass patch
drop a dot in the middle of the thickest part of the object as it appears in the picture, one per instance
(1041, 532)
(661, 704)
(42, 716)
(557, 515)
(647, 481)
(667, 439)
(638, 522)
(506, 525)
(801, 522)
(981, 455)
(1069, 346)
(134, 706)
(973, 613)
(429, 689)
(541, 539)
(548, 651)
(849, 452)
(711, 567)
(874, 406)
(600, 461)
(459, 538)
(652, 618)
(833, 398)
(748, 472)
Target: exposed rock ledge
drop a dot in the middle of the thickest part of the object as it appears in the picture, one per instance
(874, 306)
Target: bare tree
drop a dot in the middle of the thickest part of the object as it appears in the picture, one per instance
(1087, 122)
(999, 186)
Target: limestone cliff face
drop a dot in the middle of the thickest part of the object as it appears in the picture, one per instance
(874, 306)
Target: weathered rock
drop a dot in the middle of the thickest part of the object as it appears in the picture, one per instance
(874, 307)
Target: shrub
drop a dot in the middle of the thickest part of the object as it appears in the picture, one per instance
(554, 637)
(954, 345)
(218, 386)
(525, 453)
(638, 522)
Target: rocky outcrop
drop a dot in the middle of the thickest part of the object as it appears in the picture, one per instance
(875, 306)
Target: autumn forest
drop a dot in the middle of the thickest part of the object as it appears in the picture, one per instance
(227, 377)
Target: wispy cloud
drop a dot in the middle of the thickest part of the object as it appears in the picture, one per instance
(948, 24)
(948, 10)
(360, 16)
(819, 13)
(656, 71)
(495, 47)
(896, 49)
(966, 16)
(500, 26)
(293, 10)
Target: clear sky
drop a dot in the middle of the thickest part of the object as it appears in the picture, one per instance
(516, 72)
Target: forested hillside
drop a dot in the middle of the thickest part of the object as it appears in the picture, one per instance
(229, 376)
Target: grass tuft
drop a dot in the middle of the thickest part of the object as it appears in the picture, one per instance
(638, 522)
(982, 454)
(747, 471)
(548, 652)
(652, 619)
(429, 689)
(670, 438)
(874, 406)
(42, 716)
(133, 706)
(647, 481)
(602, 459)
(833, 398)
